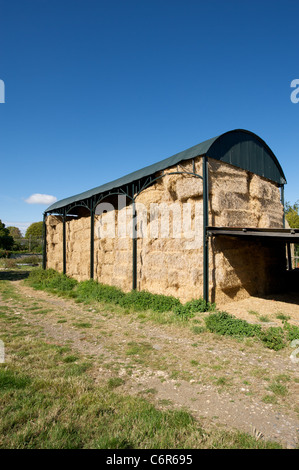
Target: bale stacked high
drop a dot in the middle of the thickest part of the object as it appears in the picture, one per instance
(173, 264)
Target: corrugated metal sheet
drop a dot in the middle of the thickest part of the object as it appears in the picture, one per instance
(239, 147)
(284, 235)
(249, 152)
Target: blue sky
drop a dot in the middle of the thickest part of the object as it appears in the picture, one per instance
(95, 89)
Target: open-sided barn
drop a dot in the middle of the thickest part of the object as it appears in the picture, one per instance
(208, 221)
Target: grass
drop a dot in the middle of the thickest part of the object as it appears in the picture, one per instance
(264, 318)
(49, 400)
(278, 389)
(83, 325)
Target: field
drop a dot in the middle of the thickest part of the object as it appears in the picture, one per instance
(79, 373)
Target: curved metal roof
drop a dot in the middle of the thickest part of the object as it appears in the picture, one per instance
(238, 147)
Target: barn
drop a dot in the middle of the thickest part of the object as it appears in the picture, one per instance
(205, 222)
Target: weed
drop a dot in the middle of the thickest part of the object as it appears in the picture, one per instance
(223, 323)
(271, 399)
(282, 316)
(292, 331)
(83, 325)
(198, 330)
(264, 318)
(194, 363)
(278, 389)
(189, 309)
(273, 338)
(142, 300)
(223, 381)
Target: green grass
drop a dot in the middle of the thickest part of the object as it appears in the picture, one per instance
(83, 325)
(115, 382)
(278, 389)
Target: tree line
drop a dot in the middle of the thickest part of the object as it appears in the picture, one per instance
(11, 237)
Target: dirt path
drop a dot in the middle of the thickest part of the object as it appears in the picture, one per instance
(222, 381)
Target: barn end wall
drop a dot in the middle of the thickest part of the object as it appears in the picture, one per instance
(173, 264)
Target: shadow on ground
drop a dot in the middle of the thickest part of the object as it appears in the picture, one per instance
(13, 275)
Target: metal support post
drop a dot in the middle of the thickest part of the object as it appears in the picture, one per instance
(44, 242)
(205, 225)
(64, 241)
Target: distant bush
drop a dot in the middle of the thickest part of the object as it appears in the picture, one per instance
(34, 259)
(9, 263)
(35, 230)
(5, 253)
(6, 240)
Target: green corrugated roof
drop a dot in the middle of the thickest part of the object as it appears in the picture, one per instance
(240, 148)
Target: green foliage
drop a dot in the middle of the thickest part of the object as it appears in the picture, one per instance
(51, 280)
(223, 323)
(146, 301)
(6, 240)
(292, 331)
(193, 306)
(9, 380)
(5, 253)
(292, 214)
(34, 230)
(91, 290)
(15, 232)
(273, 338)
(87, 291)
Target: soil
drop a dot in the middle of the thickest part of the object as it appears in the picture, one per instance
(223, 382)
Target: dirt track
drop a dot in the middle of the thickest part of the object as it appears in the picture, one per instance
(222, 381)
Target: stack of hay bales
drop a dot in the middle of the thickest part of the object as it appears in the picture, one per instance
(54, 242)
(173, 264)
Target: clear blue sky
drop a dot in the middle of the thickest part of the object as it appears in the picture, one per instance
(95, 89)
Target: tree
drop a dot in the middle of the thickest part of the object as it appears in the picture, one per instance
(6, 240)
(34, 230)
(15, 232)
(292, 214)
